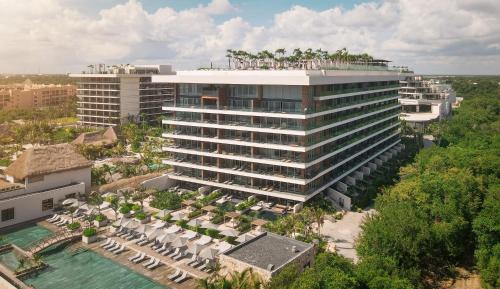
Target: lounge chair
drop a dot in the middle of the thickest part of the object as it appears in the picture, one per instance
(154, 265)
(202, 267)
(122, 248)
(167, 251)
(122, 232)
(179, 256)
(156, 245)
(135, 256)
(131, 237)
(111, 244)
(53, 218)
(114, 247)
(59, 222)
(175, 275)
(64, 222)
(162, 248)
(142, 238)
(140, 258)
(192, 260)
(176, 251)
(143, 242)
(183, 277)
(108, 241)
(150, 262)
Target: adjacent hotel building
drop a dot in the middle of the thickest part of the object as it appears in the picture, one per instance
(113, 95)
(288, 134)
(425, 101)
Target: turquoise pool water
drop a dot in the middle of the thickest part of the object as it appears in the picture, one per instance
(26, 236)
(83, 270)
(10, 259)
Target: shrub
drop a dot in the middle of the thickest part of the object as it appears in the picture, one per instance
(213, 233)
(166, 200)
(167, 218)
(218, 219)
(136, 207)
(124, 210)
(100, 218)
(73, 226)
(140, 215)
(89, 232)
(210, 198)
(182, 223)
(244, 227)
(195, 214)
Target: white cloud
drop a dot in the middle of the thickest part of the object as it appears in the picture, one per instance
(445, 36)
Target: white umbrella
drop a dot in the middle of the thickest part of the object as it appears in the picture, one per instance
(173, 229)
(209, 225)
(179, 242)
(208, 253)
(141, 229)
(195, 222)
(178, 216)
(132, 224)
(152, 233)
(108, 194)
(121, 222)
(166, 238)
(104, 205)
(195, 249)
(244, 238)
(229, 233)
(85, 206)
(163, 213)
(224, 246)
(69, 201)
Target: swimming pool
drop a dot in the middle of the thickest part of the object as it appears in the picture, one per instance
(82, 270)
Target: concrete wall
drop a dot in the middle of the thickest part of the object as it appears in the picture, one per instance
(160, 183)
(28, 207)
(341, 199)
(129, 97)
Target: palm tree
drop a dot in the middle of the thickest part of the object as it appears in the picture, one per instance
(319, 216)
(114, 204)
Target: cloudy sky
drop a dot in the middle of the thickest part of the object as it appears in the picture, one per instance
(432, 37)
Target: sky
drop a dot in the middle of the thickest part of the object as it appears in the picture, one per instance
(430, 37)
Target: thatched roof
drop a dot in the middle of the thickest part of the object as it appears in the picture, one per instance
(107, 137)
(259, 222)
(209, 208)
(45, 160)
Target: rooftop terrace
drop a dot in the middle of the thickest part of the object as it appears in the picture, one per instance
(268, 248)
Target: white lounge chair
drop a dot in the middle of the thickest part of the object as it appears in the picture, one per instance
(204, 266)
(154, 265)
(122, 248)
(131, 237)
(175, 275)
(183, 277)
(142, 238)
(176, 251)
(140, 258)
(162, 248)
(114, 247)
(111, 244)
(59, 222)
(192, 260)
(167, 251)
(150, 262)
(108, 241)
(143, 242)
(135, 256)
(64, 222)
(53, 218)
(179, 256)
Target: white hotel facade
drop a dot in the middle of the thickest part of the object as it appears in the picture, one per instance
(288, 134)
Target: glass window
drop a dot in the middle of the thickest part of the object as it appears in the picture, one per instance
(47, 204)
(7, 214)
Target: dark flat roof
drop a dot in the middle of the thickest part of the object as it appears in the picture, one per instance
(268, 248)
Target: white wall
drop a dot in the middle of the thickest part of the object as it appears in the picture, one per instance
(129, 96)
(29, 206)
(160, 183)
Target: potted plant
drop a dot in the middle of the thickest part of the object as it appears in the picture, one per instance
(73, 226)
(125, 211)
(89, 235)
(142, 217)
(100, 220)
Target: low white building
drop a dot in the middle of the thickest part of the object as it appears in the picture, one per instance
(38, 179)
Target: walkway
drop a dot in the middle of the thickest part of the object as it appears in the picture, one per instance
(344, 233)
(58, 238)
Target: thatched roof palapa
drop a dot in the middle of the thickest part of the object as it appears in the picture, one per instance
(46, 160)
(107, 137)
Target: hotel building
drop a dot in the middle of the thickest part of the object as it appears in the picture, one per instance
(27, 95)
(425, 101)
(287, 134)
(110, 96)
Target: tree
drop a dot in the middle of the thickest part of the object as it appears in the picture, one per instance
(114, 204)
(319, 217)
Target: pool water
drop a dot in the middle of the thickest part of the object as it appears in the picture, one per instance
(82, 270)
(10, 259)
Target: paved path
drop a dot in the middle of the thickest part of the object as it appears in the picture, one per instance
(343, 233)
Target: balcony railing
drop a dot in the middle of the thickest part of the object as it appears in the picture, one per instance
(356, 89)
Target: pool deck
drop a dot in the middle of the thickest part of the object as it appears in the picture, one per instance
(159, 275)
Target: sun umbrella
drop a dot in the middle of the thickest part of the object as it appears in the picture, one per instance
(173, 229)
(69, 201)
(244, 238)
(179, 242)
(132, 224)
(195, 249)
(224, 246)
(153, 233)
(141, 229)
(209, 225)
(229, 233)
(104, 205)
(121, 222)
(195, 222)
(163, 213)
(178, 216)
(166, 238)
(85, 206)
(108, 194)
(208, 253)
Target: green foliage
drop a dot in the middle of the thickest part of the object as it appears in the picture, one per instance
(166, 200)
(89, 232)
(218, 219)
(210, 198)
(195, 214)
(73, 226)
(246, 279)
(182, 223)
(125, 210)
(213, 233)
(5, 162)
(136, 207)
(100, 218)
(246, 204)
(140, 215)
